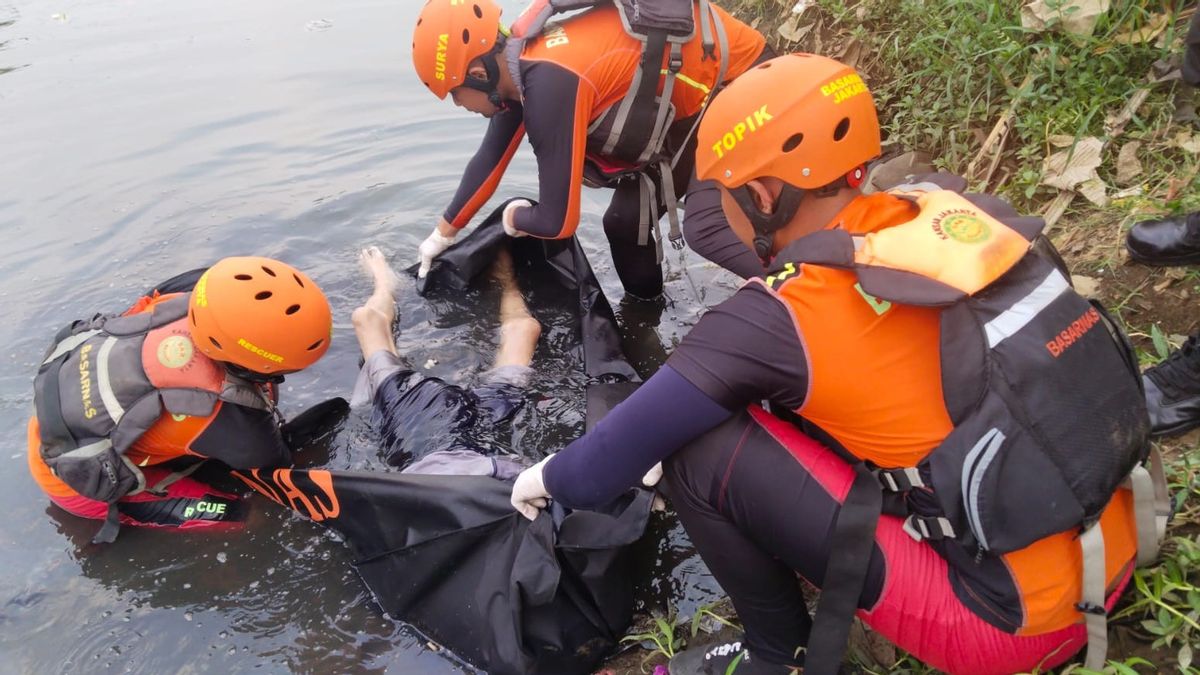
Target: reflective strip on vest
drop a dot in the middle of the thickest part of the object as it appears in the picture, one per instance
(70, 343)
(104, 384)
(1013, 319)
(89, 450)
(974, 469)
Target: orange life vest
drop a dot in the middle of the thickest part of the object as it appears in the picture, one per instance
(875, 387)
(170, 362)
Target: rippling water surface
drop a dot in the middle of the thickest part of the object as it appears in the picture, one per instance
(140, 138)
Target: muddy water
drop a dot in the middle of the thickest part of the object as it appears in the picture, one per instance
(143, 138)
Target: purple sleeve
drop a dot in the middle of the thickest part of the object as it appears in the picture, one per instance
(660, 417)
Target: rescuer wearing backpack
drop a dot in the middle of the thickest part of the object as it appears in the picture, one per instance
(593, 115)
(955, 439)
(128, 404)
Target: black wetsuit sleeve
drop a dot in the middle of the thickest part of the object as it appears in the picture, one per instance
(557, 104)
(744, 350)
(486, 168)
(243, 438)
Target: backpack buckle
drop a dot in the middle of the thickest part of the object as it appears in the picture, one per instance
(922, 528)
(1091, 608)
(899, 480)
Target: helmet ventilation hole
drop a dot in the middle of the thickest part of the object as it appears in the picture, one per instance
(268, 270)
(466, 37)
(215, 343)
(298, 280)
(842, 129)
(262, 295)
(478, 12)
(764, 66)
(292, 310)
(792, 142)
(242, 277)
(316, 344)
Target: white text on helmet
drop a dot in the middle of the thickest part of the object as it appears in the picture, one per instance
(735, 135)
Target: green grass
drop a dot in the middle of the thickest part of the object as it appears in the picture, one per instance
(943, 72)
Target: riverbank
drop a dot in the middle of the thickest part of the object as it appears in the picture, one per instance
(1069, 112)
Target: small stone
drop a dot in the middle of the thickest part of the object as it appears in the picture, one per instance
(222, 556)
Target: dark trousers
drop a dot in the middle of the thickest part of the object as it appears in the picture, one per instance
(758, 519)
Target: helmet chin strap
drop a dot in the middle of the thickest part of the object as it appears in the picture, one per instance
(490, 84)
(254, 376)
(767, 224)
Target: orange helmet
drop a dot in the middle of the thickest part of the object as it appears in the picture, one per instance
(260, 314)
(805, 119)
(449, 34)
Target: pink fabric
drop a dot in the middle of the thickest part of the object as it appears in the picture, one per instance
(918, 610)
(186, 488)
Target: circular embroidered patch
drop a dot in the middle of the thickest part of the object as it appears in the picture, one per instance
(966, 228)
(175, 351)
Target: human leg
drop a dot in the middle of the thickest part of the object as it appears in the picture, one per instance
(373, 320)
(185, 503)
(760, 486)
(759, 518)
(519, 331)
(636, 262)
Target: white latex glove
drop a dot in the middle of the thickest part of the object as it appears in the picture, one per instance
(529, 491)
(510, 210)
(653, 476)
(431, 248)
(650, 480)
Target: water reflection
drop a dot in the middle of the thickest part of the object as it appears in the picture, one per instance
(143, 138)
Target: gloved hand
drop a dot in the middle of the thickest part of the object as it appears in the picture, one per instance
(653, 476)
(431, 248)
(650, 480)
(510, 210)
(529, 491)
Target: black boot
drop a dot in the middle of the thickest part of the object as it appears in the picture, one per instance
(725, 658)
(1173, 391)
(1166, 241)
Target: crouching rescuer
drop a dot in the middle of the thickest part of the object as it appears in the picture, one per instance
(128, 405)
(955, 447)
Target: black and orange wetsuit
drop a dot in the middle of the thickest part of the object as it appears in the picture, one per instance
(759, 498)
(571, 74)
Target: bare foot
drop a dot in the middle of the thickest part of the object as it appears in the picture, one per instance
(383, 298)
(373, 321)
